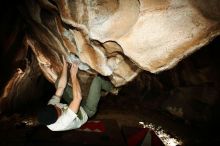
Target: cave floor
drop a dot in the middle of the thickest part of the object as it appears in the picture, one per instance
(128, 113)
(125, 113)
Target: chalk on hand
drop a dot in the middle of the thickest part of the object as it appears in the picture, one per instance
(73, 58)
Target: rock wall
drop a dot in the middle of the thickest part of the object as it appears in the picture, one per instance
(115, 38)
(121, 37)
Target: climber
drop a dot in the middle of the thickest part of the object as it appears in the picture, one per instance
(59, 116)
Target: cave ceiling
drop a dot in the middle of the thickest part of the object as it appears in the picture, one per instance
(119, 38)
(115, 38)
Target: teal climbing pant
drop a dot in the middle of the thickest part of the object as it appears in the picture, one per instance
(90, 104)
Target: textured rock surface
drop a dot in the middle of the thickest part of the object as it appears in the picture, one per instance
(118, 38)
